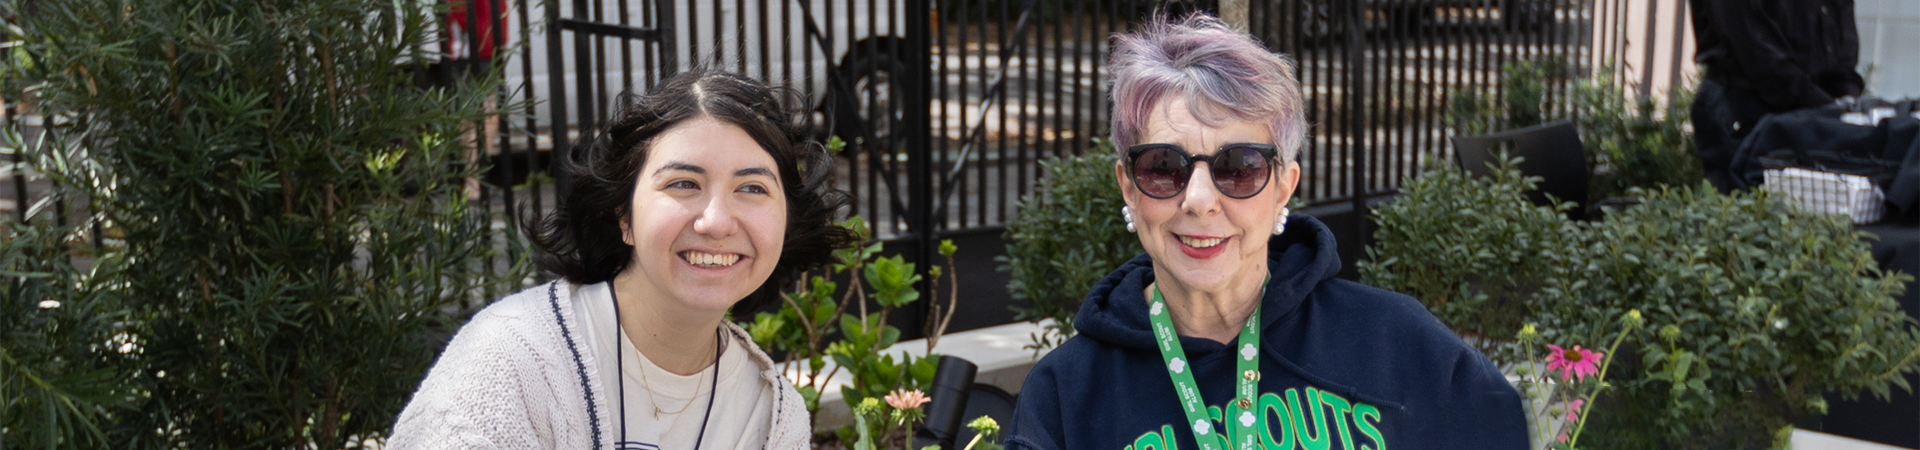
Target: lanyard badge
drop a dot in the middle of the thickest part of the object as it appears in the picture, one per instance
(1239, 413)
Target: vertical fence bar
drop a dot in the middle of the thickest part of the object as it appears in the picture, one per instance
(940, 115)
(1399, 98)
(502, 175)
(719, 34)
(890, 155)
(786, 56)
(1082, 35)
(693, 30)
(1060, 145)
(626, 51)
(602, 92)
(584, 76)
(1680, 18)
(1383, 58)
(649, 54)
(914, 121)
(999, 151)
(1356, 98)
(1027, 89)
(766, 55)
(557, 99)
(739, 35)
(532, 118)
(979, 70)
(1646, 61)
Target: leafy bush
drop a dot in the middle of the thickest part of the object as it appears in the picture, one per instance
(1066, 235)
(1474, 250)
(283, 205)
(1755, 309)
(1752, 309)
(1635, 142)
(1522, 103)
(54, 393)
(1629, 141)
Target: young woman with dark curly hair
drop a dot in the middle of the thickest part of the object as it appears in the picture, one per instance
(702, 197)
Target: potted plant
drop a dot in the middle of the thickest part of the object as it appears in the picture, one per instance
(1066, 235)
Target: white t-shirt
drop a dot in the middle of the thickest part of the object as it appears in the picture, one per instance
(742, 408)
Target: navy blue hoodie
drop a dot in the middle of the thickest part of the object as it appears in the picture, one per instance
(1345, 366)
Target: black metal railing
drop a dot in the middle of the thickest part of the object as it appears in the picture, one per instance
(947, 106)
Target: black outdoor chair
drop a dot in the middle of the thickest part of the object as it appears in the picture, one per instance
(1552, 151)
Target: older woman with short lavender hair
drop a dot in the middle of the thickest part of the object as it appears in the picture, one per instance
(1231, 331)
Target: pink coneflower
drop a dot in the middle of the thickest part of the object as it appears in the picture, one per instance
(1574, 362)
(903, 399)
(1573, 409)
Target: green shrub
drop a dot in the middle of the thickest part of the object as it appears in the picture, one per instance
(285, 207)
(1066, 235)
(1522, 103)
(1474, 250)
(1754, 309)
(53, 393)
(1634, 142)
(1630, 142)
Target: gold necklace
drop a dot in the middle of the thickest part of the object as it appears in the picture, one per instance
(696, 387)
(619, 357)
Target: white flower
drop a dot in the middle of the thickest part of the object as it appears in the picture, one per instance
(1246, 419)
(1177, 365)
(1247, 352)
(1202, 427)
(49, 304)
(1156, 308)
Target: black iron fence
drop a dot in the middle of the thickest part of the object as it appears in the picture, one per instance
(1378, 75)
(1010, 83)
(947, 106)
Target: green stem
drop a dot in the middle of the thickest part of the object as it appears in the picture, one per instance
(976, 440)
(1539, 423)
(1606, 362)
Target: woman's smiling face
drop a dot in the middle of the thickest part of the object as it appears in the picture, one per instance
(708, 216)
(1200, 237)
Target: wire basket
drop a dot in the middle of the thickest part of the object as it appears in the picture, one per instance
(1827, 192)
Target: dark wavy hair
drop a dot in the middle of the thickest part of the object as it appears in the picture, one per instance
(581, 237)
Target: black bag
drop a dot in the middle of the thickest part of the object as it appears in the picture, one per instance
(1887, 153)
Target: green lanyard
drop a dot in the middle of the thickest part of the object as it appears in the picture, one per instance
(1238, 415)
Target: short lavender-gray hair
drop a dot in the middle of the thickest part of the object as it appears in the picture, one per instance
(1224, 74)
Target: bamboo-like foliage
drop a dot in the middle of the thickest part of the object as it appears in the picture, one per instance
(283, 202)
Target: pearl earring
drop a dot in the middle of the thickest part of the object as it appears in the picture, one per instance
(1281, 226)
(1126, 214)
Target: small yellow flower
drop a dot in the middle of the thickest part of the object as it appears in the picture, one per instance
(1527, 332)
(984, 425)
(869, 407)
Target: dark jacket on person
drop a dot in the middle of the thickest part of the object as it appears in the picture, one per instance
(1792, 54)
(1343, 366)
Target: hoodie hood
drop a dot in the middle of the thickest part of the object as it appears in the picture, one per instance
(1299, 260)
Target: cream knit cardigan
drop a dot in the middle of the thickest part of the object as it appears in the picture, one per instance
(521, 376)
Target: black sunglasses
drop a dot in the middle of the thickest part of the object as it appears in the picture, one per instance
(1239, 170)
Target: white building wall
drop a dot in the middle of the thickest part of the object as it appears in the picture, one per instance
(1889, 33)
